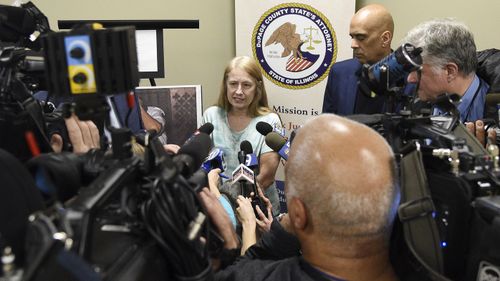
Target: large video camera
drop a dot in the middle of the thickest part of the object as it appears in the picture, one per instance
(127, 216)
(450, 186)
(449, 214)
(140, 219)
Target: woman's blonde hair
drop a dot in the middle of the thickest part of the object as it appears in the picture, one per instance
(259, 105)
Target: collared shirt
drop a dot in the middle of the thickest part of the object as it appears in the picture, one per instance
(471, 106)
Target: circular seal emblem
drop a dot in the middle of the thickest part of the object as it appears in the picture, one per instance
(295, 45)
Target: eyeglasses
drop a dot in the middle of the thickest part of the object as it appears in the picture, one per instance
(233, 85)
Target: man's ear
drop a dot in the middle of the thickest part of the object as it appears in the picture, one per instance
(386, 38)
(298, 214)
(451, 71)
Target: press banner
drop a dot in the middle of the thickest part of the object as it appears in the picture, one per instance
(295, 44)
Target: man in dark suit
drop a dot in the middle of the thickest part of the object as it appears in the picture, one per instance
(371, 30)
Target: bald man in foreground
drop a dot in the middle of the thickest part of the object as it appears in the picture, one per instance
(341, 200)
(371, 30)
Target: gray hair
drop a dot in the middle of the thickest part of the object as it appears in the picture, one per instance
(444, 41)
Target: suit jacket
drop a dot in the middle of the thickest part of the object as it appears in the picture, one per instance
(342, 87)
(343, 96)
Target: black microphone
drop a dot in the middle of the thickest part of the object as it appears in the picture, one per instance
(206, 128)
(251, 160)
(249, 187)
(265, 128)
(192, 154)
(278, 144)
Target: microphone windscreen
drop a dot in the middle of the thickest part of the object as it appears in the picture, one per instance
(197, 148)
(206, 128)
(275, 141)
(264, 128)
(246, 147)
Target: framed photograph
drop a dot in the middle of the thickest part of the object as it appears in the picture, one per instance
(180, 106)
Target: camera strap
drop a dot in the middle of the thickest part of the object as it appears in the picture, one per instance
(30, 105)
(416, 215)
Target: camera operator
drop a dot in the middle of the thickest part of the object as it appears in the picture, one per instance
(342, 221)
(449, 66)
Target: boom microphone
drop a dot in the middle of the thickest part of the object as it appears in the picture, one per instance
(278, 144)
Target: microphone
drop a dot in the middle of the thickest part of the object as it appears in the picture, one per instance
(206, 128)
(215, 160)
(192, 154)
(243, 174)
(278, 144)
(251, 160)
(265, 128)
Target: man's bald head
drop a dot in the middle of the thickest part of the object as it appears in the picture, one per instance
(343, 172)
(371, 29)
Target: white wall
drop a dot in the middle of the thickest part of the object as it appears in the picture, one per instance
(199, 56)
(482, 16)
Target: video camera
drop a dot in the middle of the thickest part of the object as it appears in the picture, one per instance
(450, 186)
(388, 76)
(140, 218)
(127, 216)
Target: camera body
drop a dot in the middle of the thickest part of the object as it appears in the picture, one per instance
(460, 183)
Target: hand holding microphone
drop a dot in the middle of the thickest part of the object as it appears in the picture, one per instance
(246, 176)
